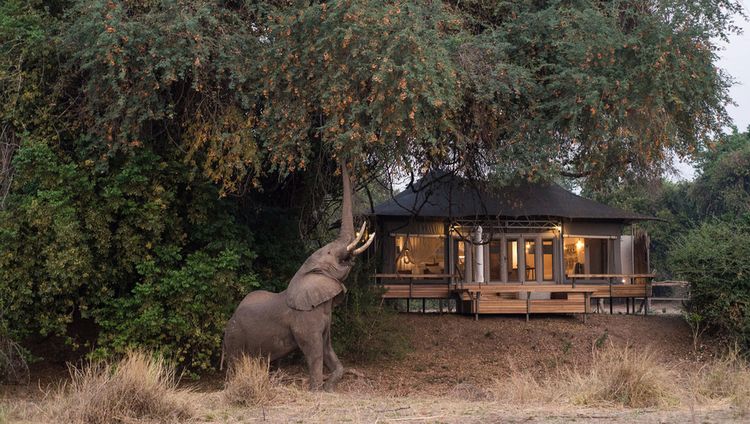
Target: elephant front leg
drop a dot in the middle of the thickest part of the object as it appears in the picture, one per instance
(332, 363)
(313, 350)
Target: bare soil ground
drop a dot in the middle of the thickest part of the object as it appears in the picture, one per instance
(452, 349)
(449, 375)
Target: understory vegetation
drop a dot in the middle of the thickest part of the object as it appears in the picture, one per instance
(142, 387)
(249, 382)
(626, 377)
(364, 329)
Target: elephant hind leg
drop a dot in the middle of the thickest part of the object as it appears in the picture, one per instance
(332, 363)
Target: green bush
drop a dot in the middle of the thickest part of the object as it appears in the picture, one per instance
(714, 258)
(362, 328)
(151, 259)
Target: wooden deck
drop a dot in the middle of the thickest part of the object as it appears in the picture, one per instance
(495, 298)
(407, 286)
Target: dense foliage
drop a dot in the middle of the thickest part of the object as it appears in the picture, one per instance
(587, 87)
(151, 259)
(714, 258)
(363, 328)
(125, 126)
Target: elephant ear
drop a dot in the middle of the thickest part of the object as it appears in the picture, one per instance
(307, 291)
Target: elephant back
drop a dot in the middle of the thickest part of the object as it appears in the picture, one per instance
(307, 291)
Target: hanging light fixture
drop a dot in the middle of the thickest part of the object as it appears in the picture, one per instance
(580, 244)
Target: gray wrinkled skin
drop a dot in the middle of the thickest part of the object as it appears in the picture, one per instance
(273, 325)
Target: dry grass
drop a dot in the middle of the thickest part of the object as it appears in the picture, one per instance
(249, 383)
(140, 386)
(725, 379)
(622, 377)
(615, 377)
(521, 387)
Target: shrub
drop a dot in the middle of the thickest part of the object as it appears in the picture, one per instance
(153, 261)
(139, 386)
(13, 366)
(714, 259)
(249, 382)
(362, 328)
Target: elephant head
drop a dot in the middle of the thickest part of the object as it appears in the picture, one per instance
(321, 276)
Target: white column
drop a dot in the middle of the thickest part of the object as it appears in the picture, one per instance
(478, 255)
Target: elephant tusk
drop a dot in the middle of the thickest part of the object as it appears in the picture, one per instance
(357, 237)
(367, 244)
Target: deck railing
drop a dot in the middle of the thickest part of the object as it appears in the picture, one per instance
(431, 290)
(603, 286)
(647, 278)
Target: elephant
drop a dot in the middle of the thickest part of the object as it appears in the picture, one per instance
(273, 325)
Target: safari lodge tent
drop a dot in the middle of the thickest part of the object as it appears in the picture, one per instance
(520, 249)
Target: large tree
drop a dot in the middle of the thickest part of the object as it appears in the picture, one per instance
(583, 88)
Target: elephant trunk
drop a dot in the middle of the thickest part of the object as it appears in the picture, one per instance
(347, 217)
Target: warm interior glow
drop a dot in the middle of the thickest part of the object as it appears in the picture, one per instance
(420, 255)
(547, 260)
(574, 255)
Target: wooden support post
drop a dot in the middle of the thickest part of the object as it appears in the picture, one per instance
(408, 301)
(440, 306)
(585, 306)
(528, 305)
(574, 282)
(610, 296)
(424, 309)
(476, 306)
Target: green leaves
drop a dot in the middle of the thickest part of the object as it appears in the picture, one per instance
(152, 261)
(590, 89)
(365, 79)
(713, 257)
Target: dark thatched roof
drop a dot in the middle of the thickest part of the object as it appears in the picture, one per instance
(444, 195)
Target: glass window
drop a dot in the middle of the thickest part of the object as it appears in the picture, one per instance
(586, 255)
(598, 255)
(511, 258)
(530, 256)
(420, 255)
(495, 261)
(547, 259)
(461, 258)
(575, 255)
